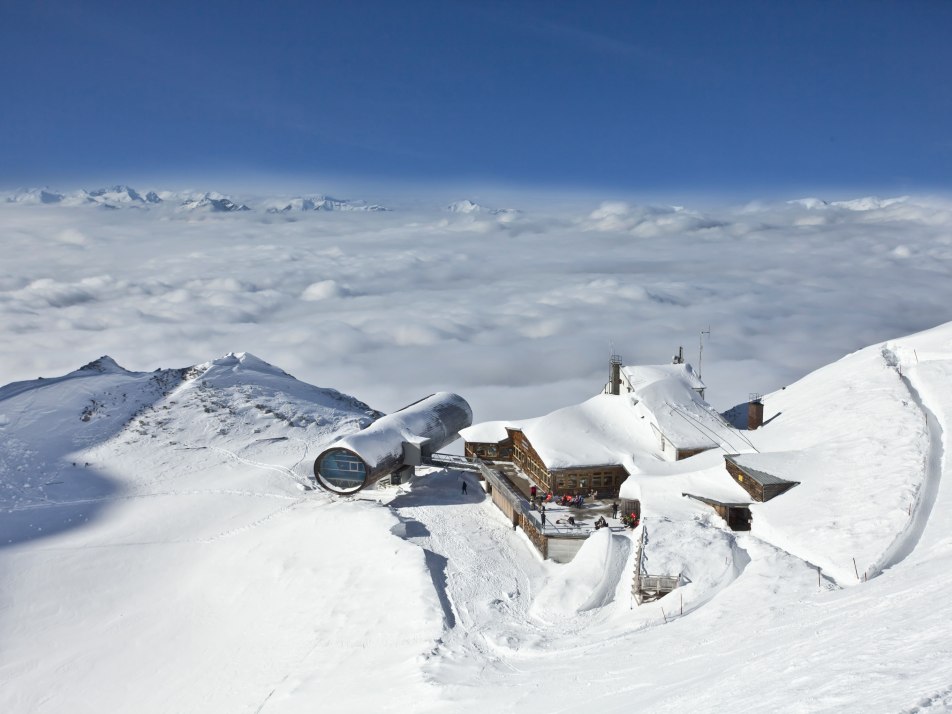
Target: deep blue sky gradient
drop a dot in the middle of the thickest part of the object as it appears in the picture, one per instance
(635, 95)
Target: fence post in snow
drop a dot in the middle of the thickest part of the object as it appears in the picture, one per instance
(855, 569)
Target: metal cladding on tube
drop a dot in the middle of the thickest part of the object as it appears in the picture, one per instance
(400, 438)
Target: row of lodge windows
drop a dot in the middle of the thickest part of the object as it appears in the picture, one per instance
(599, 480)
(529, 465)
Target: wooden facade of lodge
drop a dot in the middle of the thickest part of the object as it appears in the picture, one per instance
(489, 450)
(516, 448)
(759, 484)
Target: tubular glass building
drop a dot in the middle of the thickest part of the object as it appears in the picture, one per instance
(402, 439)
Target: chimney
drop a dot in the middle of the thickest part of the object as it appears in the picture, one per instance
(614, 375)
(755, 411)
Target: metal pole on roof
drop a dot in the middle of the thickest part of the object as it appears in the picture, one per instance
(700, 348)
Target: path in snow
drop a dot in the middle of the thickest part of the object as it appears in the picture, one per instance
(906, 542)
(503, 605)
(483, 571)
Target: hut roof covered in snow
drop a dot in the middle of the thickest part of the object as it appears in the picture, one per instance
(670, 393)
(656, 401)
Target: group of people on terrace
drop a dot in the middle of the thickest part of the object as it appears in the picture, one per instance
(576, 501)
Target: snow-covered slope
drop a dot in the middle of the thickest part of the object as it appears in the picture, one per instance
(159, 550)
(158, 553)
(855, 436)
(53, 427)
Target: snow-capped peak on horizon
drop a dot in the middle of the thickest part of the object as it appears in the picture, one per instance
(320, 202)
(464, 206)
(34, 196)
(118, 192)
(124, 196)
(468, 207)
(215, 202)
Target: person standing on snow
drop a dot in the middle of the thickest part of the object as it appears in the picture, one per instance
(615, 510)
(464, 487)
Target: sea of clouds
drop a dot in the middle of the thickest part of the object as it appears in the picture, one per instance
(518, 311)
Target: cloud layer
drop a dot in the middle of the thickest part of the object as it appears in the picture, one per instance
(516, 310)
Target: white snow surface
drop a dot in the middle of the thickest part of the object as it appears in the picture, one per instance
(160, 553)
(855, 437)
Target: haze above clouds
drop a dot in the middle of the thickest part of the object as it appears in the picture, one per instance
(517, 310)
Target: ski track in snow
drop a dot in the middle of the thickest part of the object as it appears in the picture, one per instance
(257, 464)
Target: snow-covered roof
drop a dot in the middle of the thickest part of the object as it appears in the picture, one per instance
(669, 392)
(750, 462)
(704, 476)
(436, 419)
(643, 376)
(615, 429)
(604, 430)
(487, 432)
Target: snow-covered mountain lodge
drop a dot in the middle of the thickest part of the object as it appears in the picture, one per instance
(656, 411)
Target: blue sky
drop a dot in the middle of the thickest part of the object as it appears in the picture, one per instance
(745, 96)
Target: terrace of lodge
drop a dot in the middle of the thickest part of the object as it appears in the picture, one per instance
(510, 490)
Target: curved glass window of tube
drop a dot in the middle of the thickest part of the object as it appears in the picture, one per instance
(342, 470)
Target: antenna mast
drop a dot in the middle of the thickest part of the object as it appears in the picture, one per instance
(700, 348)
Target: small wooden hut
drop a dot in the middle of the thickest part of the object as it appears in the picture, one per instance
(737, 515)
(761, 485)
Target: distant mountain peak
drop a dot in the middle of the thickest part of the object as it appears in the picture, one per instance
(117, 192)
(214, 202)
(464, 206)
(468, 207)
(124, 196)
(102, 365)
(321, 203)
(35, 196)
